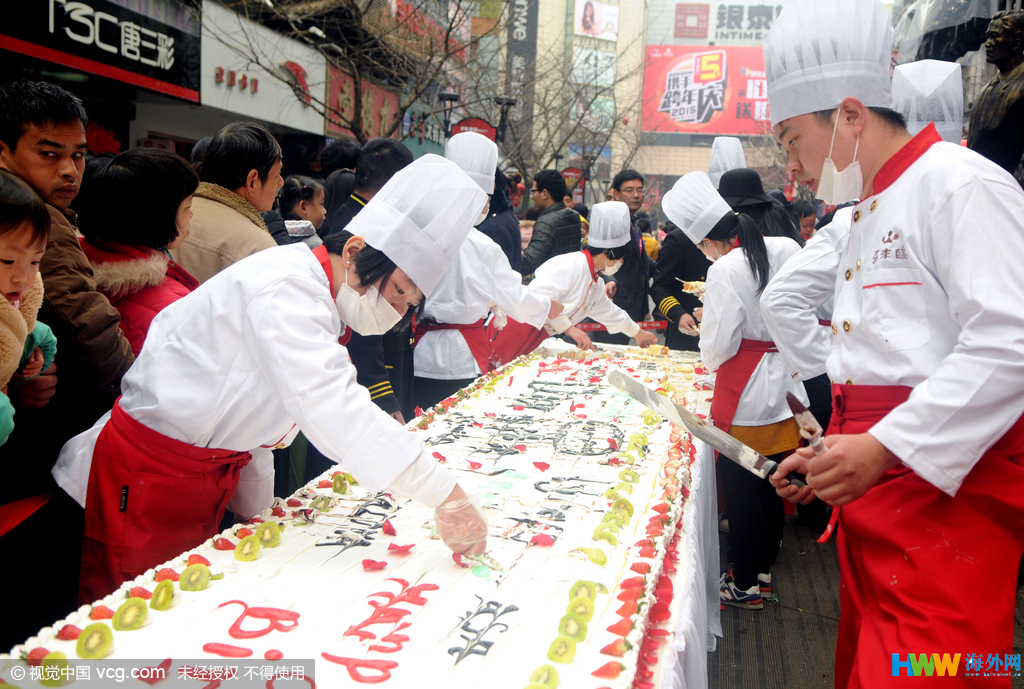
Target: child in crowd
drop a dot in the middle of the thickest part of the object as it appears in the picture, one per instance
(138, 209)
(27, 347)
(301, 205)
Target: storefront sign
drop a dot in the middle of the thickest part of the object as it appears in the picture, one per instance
(378, 106)
(422, 132)
(695, 89)
(104, 38)
(475, 124)
(520, 67)
(725, 23)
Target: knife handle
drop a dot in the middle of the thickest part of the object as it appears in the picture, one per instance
(795, 479)
(819, 447)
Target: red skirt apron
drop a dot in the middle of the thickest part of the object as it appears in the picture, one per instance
(473, 333)
(150, 498)
(921, 572)
(514, 340)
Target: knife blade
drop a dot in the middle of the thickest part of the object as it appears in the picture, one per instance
(810, 429)
(747, 457)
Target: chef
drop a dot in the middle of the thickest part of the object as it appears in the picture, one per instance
(726, 154)
(925, 444)
(251, 358)
(574, 280)
(751, 381)
(452, 347)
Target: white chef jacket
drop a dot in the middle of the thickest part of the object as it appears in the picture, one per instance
(801, 293)
(567, 278)
(732, 313)
(480, 275)
(928, 295)
(242, 361)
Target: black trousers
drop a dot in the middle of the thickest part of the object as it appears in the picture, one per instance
(755, 521)
(430, 391)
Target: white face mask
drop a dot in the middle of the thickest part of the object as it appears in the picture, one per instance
(367, 314)
(483, 215)
(707, 249)
(612, 268)
(836, 187)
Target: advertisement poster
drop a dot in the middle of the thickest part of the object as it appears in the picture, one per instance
(596, 114)
(705, 90)
(727, 23)
(597, 19)
(593, 67)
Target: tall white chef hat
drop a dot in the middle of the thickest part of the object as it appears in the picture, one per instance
(420, 218)
(609, 225)
(821, 51)
(726, 154)
(930, 91)
(476, 155)
(695, 205)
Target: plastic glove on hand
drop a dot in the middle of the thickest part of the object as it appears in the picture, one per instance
(462, 525)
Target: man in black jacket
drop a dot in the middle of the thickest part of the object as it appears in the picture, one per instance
(629, 286)
(679, 259)
(558, 229)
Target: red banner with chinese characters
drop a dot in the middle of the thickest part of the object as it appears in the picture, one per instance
(378, 105)
(705, 90)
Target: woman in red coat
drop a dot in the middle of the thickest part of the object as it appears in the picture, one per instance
(138, 208)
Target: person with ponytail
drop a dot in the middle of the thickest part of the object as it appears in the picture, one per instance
(743, 191)
(299, 212)
(752, 379)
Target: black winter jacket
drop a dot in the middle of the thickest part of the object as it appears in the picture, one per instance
(558, 231)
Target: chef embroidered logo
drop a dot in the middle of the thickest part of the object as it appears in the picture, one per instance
(945, 665)
(696, 90)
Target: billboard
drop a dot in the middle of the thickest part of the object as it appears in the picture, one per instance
(521, 67)
(596, 19)
(593, 67)
(730, 22)
(705, 90)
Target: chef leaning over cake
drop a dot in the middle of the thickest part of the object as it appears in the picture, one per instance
(926, 441)
(193, 429)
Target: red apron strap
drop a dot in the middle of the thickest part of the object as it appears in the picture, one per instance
(732, 378)
(14, 513)
(473, 333)
(325, 262)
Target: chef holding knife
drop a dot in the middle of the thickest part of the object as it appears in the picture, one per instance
(926, 442)
(752, 378)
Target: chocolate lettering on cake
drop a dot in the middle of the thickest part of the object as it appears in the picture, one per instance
(475, 629)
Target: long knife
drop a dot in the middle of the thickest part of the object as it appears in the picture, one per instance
(747, 457)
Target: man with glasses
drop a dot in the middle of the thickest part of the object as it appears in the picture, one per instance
(628, 288)
(558, 229)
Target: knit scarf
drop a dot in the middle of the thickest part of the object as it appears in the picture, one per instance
(15, 325)
(217, 193)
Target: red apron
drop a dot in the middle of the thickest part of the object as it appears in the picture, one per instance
(473, 333)
(732, 378)
(921, 572)
(150, 498)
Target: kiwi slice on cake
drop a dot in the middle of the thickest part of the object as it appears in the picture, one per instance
(573, 626)
(562, 650)
(163, 595)
(95, 640)
(57, 677)
(582, 607)
(130, 615)
(339, 484)
(582, 588)
(248, 549)
(269, 534)
(195, 577)
(322, 503)
(545, 676)
(623, 504)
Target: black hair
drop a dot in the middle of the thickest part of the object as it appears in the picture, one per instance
(24, 103)
(379, 160)
(803, 208)
(612, 254)
(19, 203)
(93, 165)
(136, 197)
(235, 151)
(582, 209)
(740, 226)
(625, 176)
(296, 188)
(499, 199)
(552, 182)
(774, 221)
(372, 266)
(338, 154)
(532, 214)
(199, 150)
(895, 120)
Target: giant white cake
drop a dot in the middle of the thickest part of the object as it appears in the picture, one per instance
(360, 583)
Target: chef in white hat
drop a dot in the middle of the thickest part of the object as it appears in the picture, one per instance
(251, 358)
(452, 346)
(752, 380)
(726, 154)
(924, 449)
(575, 281)
(930, 91)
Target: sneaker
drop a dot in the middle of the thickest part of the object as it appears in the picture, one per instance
(731, 595)
(765, 582)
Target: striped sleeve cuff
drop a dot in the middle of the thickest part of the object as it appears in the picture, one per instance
(667, 304)
(380, 390)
